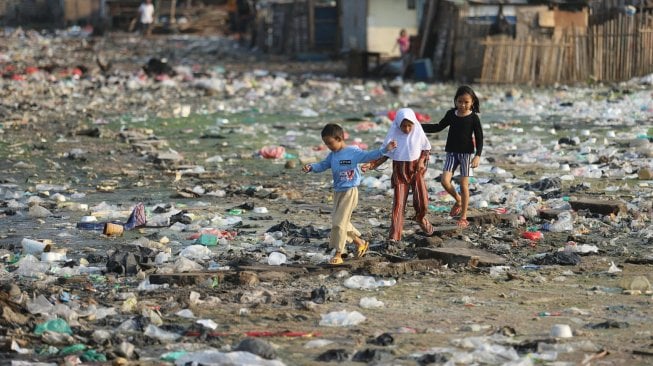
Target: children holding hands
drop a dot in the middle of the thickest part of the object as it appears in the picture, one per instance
(464, 147)
(409, 148)
(409, 164)
(343, 161)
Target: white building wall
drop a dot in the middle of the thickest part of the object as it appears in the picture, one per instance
(384, 21)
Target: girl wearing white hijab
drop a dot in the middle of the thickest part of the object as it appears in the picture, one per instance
(409, 163)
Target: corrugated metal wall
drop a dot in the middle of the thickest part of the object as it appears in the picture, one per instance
(56, 13)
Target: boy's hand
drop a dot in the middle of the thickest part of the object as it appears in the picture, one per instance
(365, 167)
(476, 161)
(391, 145)
(307, 168)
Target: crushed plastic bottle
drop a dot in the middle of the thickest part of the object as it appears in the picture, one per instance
(164, 336)
(564, 222)
(31, 267)
(212, 357)
(367, 282)
(341, 318)
(276, 259)
(40, 305)
(370, 303)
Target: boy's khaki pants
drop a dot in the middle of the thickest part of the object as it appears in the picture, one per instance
(342, 231)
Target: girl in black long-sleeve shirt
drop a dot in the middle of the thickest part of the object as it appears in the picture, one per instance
(464, 147)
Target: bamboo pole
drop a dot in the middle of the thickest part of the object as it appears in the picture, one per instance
(519, 65)
(632, 51)
(593, 56)
(604, 47)
(647, 63)
(535, 61)
(608, 48)
(526, 63)
(600, 55)
(599, 51)
(585, 58)
(621, 36)
(614, 47)
(550, 65)
(499, 55)
(510, 64)
(626, 48)
(486, 60)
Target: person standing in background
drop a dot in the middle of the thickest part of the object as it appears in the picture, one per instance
(403, 42)
(146, 17)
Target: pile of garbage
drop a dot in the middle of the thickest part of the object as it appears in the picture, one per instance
(184, 208)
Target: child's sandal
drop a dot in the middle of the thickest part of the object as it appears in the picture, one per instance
(335, 261)
(462, 223)
(361, 250)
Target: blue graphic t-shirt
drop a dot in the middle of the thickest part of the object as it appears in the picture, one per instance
(344, 166)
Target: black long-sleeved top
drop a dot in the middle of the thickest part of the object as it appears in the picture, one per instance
(464, 132)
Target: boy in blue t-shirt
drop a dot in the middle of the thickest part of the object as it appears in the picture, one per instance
(343, 161)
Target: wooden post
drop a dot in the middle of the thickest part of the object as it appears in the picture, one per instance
(311, 24)
(173, 7)
(430, 15)
(528, 60)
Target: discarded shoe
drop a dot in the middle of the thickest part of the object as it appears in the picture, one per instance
(462, 223)
(137, 218)
(361, 250)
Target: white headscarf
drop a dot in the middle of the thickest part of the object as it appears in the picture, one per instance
(409, 146)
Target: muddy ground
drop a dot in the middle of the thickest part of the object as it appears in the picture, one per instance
(189, 143)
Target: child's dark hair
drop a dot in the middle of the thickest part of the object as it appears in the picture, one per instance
(465, 89)
(333, 130)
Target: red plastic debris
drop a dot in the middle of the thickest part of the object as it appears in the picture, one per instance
(286, 333)
(532, 235)
(229, 235)
(272, 152)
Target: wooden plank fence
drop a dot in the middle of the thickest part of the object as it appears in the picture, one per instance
(617, 50)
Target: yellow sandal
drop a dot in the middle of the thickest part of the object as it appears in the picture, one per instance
(361, 250)
(336, 261)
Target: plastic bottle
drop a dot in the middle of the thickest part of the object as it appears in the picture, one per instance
(370, 302)
(40, 305)
(164, 336)
(564, 222)
(276, 259)
(260, 210)
(367, 282)
(341, 318)
(32, 267)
